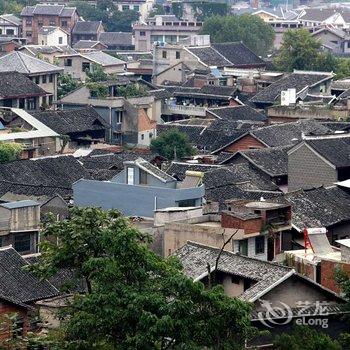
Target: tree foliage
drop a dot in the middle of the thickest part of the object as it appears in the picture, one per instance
(135, 299)
(300, 50)
(66, 84)
(201, 9)
(172, 144)
(112, 19)
(96, 74)
(251, 30)
(9, 151)
(303, 337)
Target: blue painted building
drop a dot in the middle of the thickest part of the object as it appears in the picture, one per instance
(140, 189)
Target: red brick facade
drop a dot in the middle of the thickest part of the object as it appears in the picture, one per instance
(246, 142)
(328, 269)
(249, 226)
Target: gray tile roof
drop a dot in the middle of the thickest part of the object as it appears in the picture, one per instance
(102, 58)
(194, 258)
(20, 204)
(116, 38)
(18, 284)
(209, 56)
(52, 174)
(14, 84)
(273, 161)
(48, 10)
(86, 44)
(22, 63)
(12, 18)
(321, 14)
(238, 54)
(86, 27)
(299, 81)
(238, 113)
(72, 121)
(319, 207)
(335, 150)
(289, 133)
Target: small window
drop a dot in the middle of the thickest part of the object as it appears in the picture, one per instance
(142, 136)
(60, 40)
(28, 34)
(235, 279)
(44, 79)
(178, 55)
(125, 8)
(52, 23)
(142, 33)
(22, 242)
(85, 66)
(136, 8)
(10, 32)
(28, 22)
(40, 23)
(68, 62)
(50, 78)
(259, 245)
(64, 24)
(37, 80)
(130, 176)
(119, 117)
(164, 54)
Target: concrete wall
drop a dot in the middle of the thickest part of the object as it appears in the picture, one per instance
(131, 200)
(285, 292)
(53, 39)
(176, 235)
(231, 288)
(306, 170)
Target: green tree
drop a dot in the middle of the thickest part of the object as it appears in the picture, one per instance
(9, 151)
(299, 50)
(96, 74)
(251, 30)
(173, 144)
(122, 21)
(66, 84)
(303, 337)
(135, 299)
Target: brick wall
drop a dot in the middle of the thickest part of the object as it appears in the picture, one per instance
(249, 226)
(246, 142)
(328, 269)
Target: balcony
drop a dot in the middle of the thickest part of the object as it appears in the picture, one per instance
(191, 111)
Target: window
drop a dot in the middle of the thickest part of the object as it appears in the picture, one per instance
(68, 62)
(235, 279)
(37, 80)
(119, 117)
(164, 54)
(178, 55)
(136, 8)
(259, 245)
(142, 136)
(0, 31)
(130, 176)
(142, 33)
(64, 24)
(40, 23)
(85, 66)
(243, 247)
(60, 40)
(28, 34)
(52, 23)
(125, 7)
(50, 78)
(142, 177)
(28, 22)
(22, 242)
(44, 79)
(187, 203)
(10, 31)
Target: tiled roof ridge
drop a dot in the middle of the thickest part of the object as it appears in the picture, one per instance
(212, 248)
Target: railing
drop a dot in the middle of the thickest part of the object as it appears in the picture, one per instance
(187, 110)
